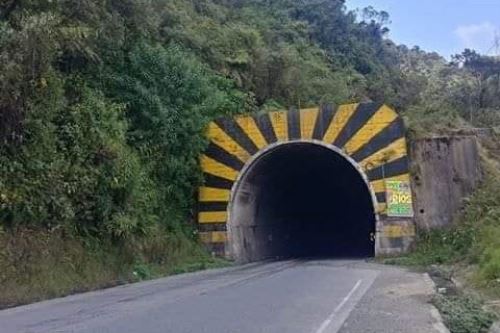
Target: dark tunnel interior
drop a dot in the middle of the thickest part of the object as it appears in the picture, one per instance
(302, 200)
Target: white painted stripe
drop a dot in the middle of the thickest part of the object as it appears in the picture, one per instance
(328, 321)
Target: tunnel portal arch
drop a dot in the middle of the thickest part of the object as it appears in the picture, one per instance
(301, 210)
(370, 137)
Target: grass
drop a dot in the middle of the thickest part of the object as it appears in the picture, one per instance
(37, 265)
(438, 247)
(464, 314)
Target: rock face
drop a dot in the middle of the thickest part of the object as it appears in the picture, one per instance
(445, 171)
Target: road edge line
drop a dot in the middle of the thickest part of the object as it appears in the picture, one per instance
(328, 321)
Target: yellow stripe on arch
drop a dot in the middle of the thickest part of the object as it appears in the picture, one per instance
(390, 153)
(307, 122)
(212, 217)
(381, 208)
(397, 231)
(223, 140)
(216, 168)
(213, 237)
(344, 113)
(380, 120)
(252, 131)
(206, 194)
(378, 186)
(280, 125)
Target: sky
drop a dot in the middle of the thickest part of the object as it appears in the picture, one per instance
(443, 26)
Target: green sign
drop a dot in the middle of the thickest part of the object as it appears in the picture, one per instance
(399, 201)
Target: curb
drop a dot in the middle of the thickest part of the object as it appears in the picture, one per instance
(439, 325)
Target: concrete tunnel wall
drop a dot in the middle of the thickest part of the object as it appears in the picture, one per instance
(370, 135)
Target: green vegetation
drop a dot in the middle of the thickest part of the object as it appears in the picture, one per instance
(103, 106)
(464, 314)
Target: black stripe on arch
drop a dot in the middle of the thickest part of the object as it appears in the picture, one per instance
(325, 118)
(381, 198)
(217, 182)
(237, 134)
(393, 132)
(219, 154)
(392, 169)
(361, 115)
(207, 227)
(212, 206)
(266, 127)
(293, 119)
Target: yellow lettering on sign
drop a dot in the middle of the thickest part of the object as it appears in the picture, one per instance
(397, 198)
(399, 201)
(378, 186)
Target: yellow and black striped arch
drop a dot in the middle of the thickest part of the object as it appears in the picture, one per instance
(372, 134)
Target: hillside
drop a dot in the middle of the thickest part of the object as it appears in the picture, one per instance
(103, 106)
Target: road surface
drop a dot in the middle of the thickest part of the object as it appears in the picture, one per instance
(316, 296)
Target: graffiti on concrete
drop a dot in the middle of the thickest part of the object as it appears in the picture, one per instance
(399, 202)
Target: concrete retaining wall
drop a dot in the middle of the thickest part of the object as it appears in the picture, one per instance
(445, 171)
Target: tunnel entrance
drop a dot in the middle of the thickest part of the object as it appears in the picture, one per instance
(301, 200)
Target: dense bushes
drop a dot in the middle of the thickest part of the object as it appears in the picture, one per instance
(169, 98)
(101, 126)
(104, 103)
(74, 168)
(115, 164)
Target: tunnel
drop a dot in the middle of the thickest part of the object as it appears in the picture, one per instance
(301, 200)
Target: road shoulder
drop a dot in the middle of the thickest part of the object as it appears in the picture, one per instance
(399, 301)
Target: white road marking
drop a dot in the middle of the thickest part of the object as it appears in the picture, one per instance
(328, 321)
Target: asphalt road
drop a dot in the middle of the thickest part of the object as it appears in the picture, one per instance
(316, 296)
